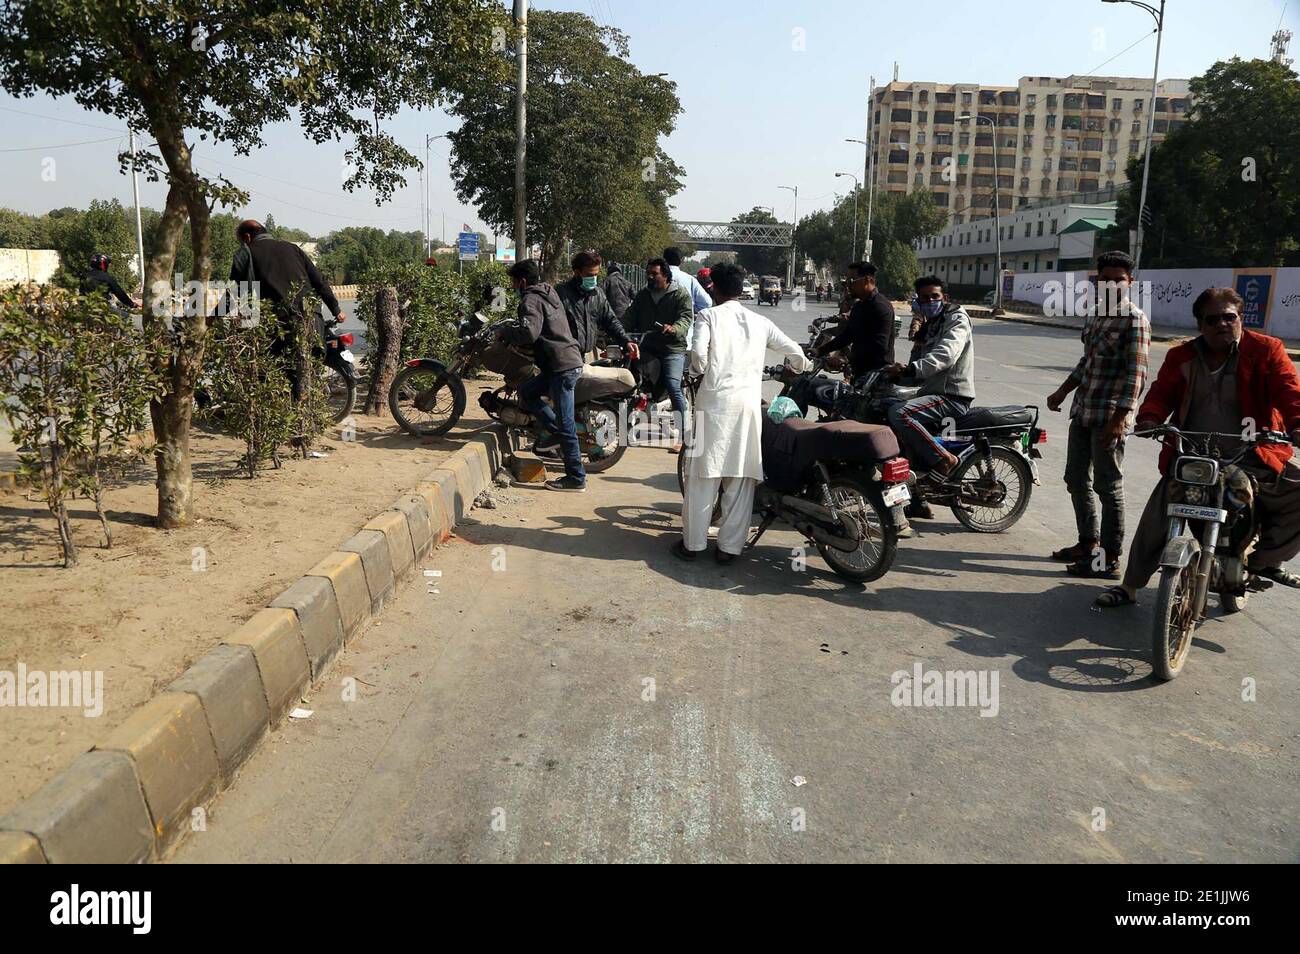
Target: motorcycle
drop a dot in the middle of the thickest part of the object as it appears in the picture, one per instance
(843, 485)
(650, 397)
(996, 447)
(428, 397)
(1211, 528)
(340, 374)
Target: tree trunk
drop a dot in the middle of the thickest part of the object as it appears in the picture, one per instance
(387, 353)
(170, 419)
(552, 252)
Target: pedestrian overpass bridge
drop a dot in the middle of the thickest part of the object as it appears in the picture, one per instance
(723, 236)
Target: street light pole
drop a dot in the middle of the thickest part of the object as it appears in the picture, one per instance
(521, 57)
(871, 160)
(428, 238)
(997, 208)
(795, 224)
(1159, 16)
(857, 187)
(139, 229)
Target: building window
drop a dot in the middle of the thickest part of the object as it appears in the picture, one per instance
(1049, 266)
(1040, 226)
(1031, 100)
(900, 115)
(1027, 229)
(1045, 185)
(1028, 141)
(1053, 226)
(1047, 164)
(1051, 121)
(1051, 100)
(920, 137)
(965, 99)
(1110, 165)
(1137, 105)
(963, 139)
(1117, 104)
(923, 116)
(1029, 121)
(944, 117)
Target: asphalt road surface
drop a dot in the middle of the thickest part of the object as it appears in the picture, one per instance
(567, 690)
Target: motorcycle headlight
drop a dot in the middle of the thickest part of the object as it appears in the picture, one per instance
(1193, 495)
(1196, 470)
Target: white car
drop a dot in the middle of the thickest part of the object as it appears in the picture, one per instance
(747, 291)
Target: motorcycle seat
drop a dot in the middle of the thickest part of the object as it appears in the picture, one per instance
(793, 446)
(982, 418)
(601, 382)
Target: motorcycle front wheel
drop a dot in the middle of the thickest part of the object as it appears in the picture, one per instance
(1175, 620)
(993, 492)
(426, 401)
(863, 508)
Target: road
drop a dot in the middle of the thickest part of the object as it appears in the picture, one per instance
(571, 692)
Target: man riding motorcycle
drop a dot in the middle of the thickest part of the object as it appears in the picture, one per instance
(1227, 380)
(943, 361)
(588, 309)
(98, 279)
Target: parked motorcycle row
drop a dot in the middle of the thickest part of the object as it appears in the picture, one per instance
(841, 479)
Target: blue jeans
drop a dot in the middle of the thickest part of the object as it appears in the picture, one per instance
(671, 368)
(558, 420)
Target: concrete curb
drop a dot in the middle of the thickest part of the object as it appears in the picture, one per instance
(135, 796)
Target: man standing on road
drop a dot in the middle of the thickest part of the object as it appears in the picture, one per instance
(870, 328)
(1107, 383)
(559, 365)
(729, 350)
(1228, 380)
(588, 309)
(282, 273)
(617, 289)
(662, 312)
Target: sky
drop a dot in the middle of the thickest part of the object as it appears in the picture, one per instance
(770, 90)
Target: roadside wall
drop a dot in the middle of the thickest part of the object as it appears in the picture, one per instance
(1272, 294)
(20, 266)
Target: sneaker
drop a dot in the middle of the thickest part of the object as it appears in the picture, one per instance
(546, 445)
(1073, 554)
(571, 484)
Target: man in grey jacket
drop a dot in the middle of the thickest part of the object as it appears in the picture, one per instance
(943, 360)
(544, 325)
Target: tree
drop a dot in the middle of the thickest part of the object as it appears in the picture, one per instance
(185, 72)
(595, 171)
(816, 237)
(761, 259)
(898, 221)
(1225, 188)
(347, 255)
(20, 230)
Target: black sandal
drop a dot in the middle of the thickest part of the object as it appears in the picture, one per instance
(1113, 596)
(1086, 569)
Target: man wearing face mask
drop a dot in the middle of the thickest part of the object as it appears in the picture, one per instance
(870, 328)
(943, 361)
(588, 309)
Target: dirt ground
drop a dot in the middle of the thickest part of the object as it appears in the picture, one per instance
(140, 612)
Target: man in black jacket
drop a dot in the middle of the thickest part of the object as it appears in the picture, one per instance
(588, 308)
(618, 290)
(870, 328)
(559, 363)
(282, 273)
(98, 279)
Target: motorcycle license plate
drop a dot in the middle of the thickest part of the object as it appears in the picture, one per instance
(347, 356)
(1198, 513)
(896, 494)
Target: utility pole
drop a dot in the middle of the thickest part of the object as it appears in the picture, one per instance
(857, 188)
(871, 163)
(139, 230)
(521, 120)
(997, 206)
(428, 250)
(790, 269)
(1159, 17)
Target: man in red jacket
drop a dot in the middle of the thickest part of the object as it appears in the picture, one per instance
(1227, 380)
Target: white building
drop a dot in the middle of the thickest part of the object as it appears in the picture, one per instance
(1042, 237)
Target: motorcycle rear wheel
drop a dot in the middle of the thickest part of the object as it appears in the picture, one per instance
(1006, 476)
(341, 394)
(861, 504)
(1174, 623)
(443, 392)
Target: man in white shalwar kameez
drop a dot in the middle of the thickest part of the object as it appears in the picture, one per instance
(729, 347)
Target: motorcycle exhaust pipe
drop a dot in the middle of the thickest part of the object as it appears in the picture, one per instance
(807, 508)
(832, 540)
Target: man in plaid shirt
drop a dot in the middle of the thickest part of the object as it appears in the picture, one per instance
(1107, 382)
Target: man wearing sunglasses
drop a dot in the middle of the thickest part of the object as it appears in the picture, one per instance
(1227, 380)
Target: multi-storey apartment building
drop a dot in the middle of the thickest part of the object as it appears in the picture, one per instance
(1053, 137)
